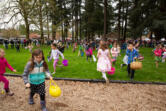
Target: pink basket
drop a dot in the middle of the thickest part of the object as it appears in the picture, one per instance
(112, 71)
(65, 62)
(113, 60)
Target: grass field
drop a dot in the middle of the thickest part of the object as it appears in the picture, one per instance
(80, 68)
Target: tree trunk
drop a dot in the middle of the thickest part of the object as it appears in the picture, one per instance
(27, 28)
(53, 29)
(126, 22)
(80, 18)
(105, 18)
(41, 21)
(48, 29)
(123, 19)
(76, 20)
(119, 18)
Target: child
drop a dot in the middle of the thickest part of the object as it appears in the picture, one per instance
(3, 65)
(115, 51)
(80, 50)
(158, 53)
(17, 46)
(34, 77)
(55, 55)
(88, 52)
(74, 47)
(104, 60)
(132, 54)
(30, 47)
(164, 54)
(125, 60)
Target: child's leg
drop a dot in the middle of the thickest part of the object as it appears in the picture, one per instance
(79, 53)
(54, 64)
(31, 94)
(122, 65)
(90, 57)
(132, 74)
(6, 83)
(42, 96)
(128, 69)
(105, 77)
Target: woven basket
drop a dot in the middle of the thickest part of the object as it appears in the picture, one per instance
(136, 65)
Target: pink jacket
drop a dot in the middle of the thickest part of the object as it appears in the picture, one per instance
(91, 52)
(158, 52)
(3, 65)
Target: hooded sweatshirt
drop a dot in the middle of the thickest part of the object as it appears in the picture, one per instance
(3, 65)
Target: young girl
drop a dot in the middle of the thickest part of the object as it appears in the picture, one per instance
(74, 47)
(158, 53)
(104, 60)
(164, 54)
(30, 47)
(88, 52)
(80, 50)
(132, 55)
(55, 55)
(34, 77)
(3, 65)
(115, 51)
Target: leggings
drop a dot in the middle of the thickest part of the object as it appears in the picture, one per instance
(130, 72)
(5, 81)
(89, 56)
(55, 63)
(40, 89)
(42, 96)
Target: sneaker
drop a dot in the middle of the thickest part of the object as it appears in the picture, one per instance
(107, 81)
(9, 93)
(121, 65)
(43, 106)
(31, 101)
(131, 79)
(53, 72)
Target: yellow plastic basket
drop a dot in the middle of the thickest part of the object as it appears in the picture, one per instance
(54, 89)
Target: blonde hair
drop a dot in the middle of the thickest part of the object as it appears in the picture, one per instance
(1, 49)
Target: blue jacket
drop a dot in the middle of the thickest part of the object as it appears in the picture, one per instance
(131, 55)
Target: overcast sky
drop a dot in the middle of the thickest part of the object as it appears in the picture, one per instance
(7, 17)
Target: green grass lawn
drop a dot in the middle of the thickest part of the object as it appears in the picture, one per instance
(79, 68)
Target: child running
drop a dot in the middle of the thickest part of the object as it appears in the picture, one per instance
(132, 55)
(115, 51)
(88, 52)
(158, 53)
(164, 54)
(34, 76)
(104, 60)
(55, 55)
(3, 65)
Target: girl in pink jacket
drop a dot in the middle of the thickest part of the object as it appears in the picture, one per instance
(158, 53)
(3, 65)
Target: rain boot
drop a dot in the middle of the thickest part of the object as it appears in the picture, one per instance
(31, 100)
(43, 105)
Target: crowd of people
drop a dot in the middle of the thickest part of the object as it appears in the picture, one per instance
(108, 52)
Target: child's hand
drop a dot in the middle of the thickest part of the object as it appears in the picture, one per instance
(14, 70)
(27, 85)
(51, 78)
